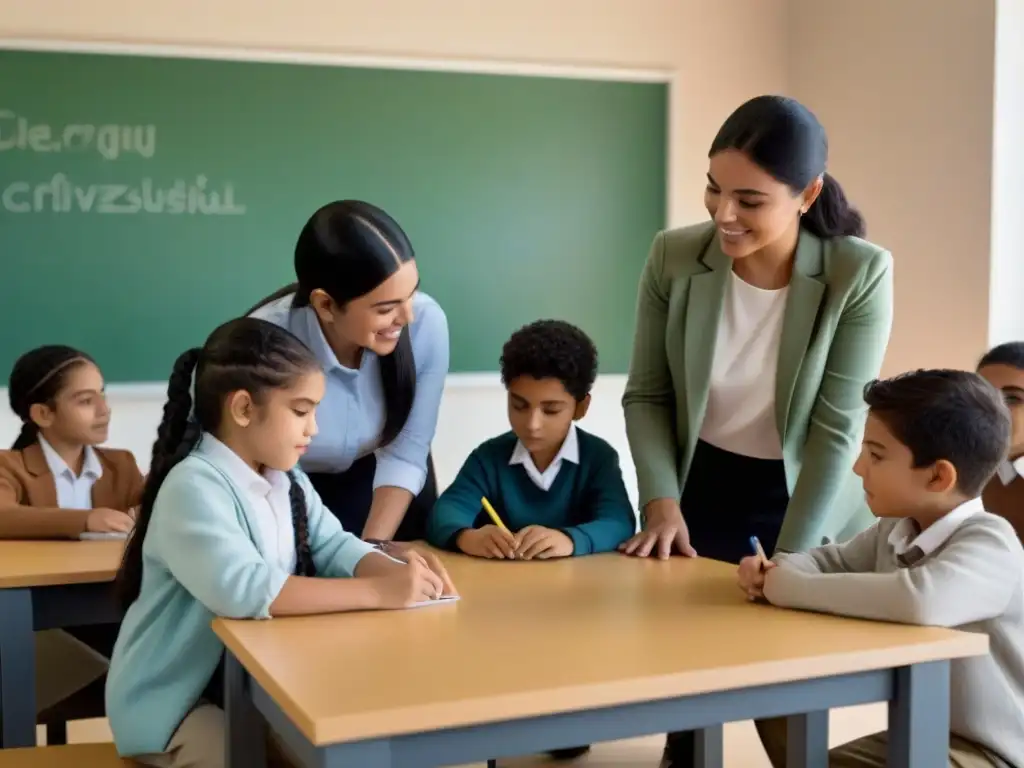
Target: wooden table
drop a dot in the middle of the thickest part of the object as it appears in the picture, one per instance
(46, 585)
(552, 654)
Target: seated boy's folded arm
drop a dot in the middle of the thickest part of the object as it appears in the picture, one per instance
(971, 580)
(20, 521)
(335, 551)
(854, 556)
(199, 538)
(458, 507)
(612, 518)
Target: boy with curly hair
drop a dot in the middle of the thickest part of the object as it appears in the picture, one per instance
(558, 489)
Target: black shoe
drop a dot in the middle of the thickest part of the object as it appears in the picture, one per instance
(569, 753)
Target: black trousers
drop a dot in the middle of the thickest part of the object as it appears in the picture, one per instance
(727, 499)
(349, 494)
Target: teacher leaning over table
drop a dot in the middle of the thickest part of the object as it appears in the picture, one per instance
(755, 335)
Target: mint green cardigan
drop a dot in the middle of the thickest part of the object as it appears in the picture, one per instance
(201, 560)
(836, 328)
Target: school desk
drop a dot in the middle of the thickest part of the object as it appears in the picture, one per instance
(539, 655)
(46, 585)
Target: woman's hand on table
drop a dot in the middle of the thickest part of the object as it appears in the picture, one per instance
(664, 531)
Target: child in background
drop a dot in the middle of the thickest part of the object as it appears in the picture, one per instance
(1003, 367)
(55, 483)
(558, 489)
(932, 441)
(228, 527)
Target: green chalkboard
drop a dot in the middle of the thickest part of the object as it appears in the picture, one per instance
(144, 200)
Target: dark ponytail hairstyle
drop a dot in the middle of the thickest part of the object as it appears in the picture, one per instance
(38, 377)
(784, 138)
(347, 249)
(243, 354)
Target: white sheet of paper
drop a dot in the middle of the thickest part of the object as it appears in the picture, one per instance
(106, 536)
(439, 601)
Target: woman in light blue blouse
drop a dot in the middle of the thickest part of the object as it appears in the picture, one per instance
(384, 348)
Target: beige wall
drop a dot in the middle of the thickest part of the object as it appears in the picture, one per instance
(905, 88)
(724, 52)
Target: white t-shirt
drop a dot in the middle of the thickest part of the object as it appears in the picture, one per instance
(740, 415)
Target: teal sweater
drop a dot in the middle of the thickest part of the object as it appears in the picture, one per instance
(587, 501)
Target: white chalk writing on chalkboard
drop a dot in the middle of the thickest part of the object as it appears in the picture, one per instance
(61, 195)
(110, 140)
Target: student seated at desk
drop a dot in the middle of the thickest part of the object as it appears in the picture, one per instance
(229, 527)
(56, 483)
(1003, 367)
(558, 488)
(933, 439)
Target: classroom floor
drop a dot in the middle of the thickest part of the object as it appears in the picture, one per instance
(742, 748)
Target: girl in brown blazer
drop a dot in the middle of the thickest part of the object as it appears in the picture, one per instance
(55, 483)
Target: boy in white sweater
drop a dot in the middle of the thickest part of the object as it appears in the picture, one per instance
(935, 557)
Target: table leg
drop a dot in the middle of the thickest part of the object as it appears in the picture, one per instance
(807, 740)
(709, 747)
(919, 716)
(17, 670)
(246, 739)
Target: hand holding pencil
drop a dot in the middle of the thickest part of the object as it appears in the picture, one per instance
(752, 571)
(495, 542)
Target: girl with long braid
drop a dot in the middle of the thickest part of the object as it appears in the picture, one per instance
(229, 527)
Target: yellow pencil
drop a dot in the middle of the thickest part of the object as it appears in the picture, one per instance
(493, 515)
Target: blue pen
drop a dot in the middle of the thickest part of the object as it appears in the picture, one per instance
(755, 544)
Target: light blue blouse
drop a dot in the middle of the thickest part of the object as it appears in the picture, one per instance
(351, 416)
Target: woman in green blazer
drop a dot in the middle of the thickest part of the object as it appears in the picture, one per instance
(755, 335)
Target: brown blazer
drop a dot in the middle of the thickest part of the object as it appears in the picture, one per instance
(1006, 501)
(28, 494)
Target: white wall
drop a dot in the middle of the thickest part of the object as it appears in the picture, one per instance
(1006, 308)
(472, 410)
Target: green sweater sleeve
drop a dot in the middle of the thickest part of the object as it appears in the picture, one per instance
(613, 519)
(649, 398)
(837, 418)
(457, 508)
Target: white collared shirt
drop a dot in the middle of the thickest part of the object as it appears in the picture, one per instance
(570, 451)
(905, 535)
(1011, 470)
(73, 491)
(268, 496)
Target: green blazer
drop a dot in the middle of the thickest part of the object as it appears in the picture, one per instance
(836, 328)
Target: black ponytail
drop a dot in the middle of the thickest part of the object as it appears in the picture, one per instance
(243, 354)
(304, 565)
(831, 215)
(176, 436)
(37, 378)
(784, 138)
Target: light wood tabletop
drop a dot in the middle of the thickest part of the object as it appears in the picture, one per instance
(537, 638)
(49, 563)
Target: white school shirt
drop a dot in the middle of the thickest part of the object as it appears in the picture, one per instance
(1011, 470)
(73, 491)
(740, 415)
(268, 495)
(905, 535)
(570, 451)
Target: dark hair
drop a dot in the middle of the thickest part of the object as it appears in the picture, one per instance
(347, 249)
(945, 414)
(38, 377)
(783, 137)
(551, 349)
(1011, 353)
(248, 354)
